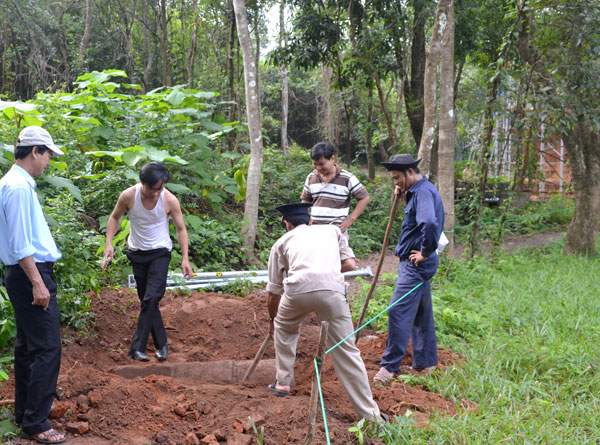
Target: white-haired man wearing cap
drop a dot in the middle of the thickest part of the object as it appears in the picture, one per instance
(29, 253)
(305, 275)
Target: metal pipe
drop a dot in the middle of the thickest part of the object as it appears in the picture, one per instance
(219, 279)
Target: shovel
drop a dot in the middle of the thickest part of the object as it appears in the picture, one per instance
(257, 358)
(378, 270)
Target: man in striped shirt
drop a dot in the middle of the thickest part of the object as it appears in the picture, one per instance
(330, 188)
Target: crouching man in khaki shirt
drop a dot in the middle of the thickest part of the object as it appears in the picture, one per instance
(305, 275)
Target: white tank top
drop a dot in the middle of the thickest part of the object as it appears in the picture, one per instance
(149, 229)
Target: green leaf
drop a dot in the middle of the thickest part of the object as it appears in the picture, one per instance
(212, 126)
(131, 158)
(104, 132)
(60, 182)
(28, 120)
(177, 188)
(161, 155)
(61, 166)
(175, 97)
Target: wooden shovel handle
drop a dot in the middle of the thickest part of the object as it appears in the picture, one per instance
(386, 239)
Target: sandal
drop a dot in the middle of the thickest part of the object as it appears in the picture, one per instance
(45, 437)
(383, 376)
(278, 392)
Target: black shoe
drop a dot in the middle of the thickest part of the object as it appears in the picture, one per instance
(138, 355)
(161, 354)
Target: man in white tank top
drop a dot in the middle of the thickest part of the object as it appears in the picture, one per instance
(149, 206)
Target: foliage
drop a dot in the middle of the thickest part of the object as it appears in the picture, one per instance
(8, 328)
(215, 244)
(78, 272)
(534, 216)
(525, 324)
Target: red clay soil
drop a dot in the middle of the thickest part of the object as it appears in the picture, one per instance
(98, 406)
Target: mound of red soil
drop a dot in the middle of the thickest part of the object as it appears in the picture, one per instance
(98, 405)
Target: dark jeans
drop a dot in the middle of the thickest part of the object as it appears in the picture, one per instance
(150, 268)
(37, 349)
(412, 317)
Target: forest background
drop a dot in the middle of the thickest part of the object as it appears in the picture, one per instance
(121, 82)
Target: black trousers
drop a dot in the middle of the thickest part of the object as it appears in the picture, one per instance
(150, 268)
(37, 349)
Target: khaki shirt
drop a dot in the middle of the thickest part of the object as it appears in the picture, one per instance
(307, 259)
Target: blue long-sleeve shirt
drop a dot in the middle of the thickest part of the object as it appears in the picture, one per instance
(23, 229)
(423, 220)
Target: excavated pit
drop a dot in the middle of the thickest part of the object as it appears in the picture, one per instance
(222, 371)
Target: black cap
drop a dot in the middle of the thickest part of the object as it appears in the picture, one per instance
(294, 208)
(401, 162)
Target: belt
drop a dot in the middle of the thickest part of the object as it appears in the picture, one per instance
(48, 265)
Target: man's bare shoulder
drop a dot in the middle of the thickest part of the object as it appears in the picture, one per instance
(127, 196)
(171, 201)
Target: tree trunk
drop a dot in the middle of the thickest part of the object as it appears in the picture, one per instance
(329, 119)
(483, 166)
(414, 88)
(81, 62)
(582, 145)
(430, 83)
(231, 137)
(369, 137)
(284, 82)
(164, 43)
(447, 137)
(148, 65)
(257, 54)
(249, 225)
(191, 55)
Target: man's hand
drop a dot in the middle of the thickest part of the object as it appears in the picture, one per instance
(109, 253)
(398, 191)
(416, 257)
(345, 224)
(186, 269)
(41, 296)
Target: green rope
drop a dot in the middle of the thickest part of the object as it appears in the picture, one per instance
(374, 318)
(322, 403)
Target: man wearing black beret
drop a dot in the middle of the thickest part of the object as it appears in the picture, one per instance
(422, 227)
(305, 275)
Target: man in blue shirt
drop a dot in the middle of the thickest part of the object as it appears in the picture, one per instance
(29, 253)
(421, 230)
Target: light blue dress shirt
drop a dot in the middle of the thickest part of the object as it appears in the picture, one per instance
(23, 229)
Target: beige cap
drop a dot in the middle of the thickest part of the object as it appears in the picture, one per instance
(34, 135)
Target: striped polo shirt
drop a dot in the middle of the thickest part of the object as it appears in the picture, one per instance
(331, 200)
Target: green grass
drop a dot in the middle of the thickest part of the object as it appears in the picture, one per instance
(527, 324)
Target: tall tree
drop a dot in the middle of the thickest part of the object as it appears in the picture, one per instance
(249, 225)
(432, 63)
(447, 129)
(284, 81)
(559, 40)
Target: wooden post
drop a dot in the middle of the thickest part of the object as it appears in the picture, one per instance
(314, 392)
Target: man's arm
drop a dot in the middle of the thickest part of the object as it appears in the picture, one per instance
(273, 306)
(124, 203)
(348, 264)
(361, 204)
(174, 210)
(41, 295)
(17, 202)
